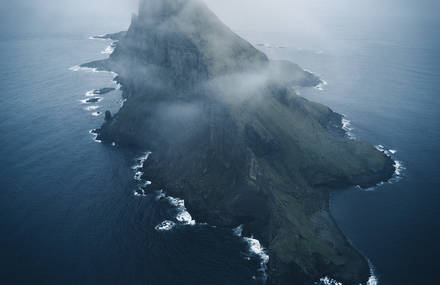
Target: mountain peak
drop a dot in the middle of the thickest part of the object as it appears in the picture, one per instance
(185, 38)
(154, 9)
(231, 137)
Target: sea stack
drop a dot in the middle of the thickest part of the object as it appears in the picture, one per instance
(230, 136)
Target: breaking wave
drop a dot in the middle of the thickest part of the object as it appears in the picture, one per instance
(183, 217)
(94, 133)
(398, 165)
(256, 249)
(99, 37)
(109, 49)
(91, 108)
(328, 281)
(346, 126)
(391, 153)
(321, 85)
(165, 226)
(90, 69)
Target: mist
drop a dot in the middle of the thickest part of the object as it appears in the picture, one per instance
(310, 19)
(48, 17)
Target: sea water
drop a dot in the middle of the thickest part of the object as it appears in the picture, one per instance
(68, 209)
(386, 83)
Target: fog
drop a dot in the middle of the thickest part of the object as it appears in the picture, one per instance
(312, 17)
(43, 17)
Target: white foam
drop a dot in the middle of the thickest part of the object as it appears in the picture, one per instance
(90, 93)
(160, 195)
(255, 248)
(108, 50)
(141, 160)
(141, 191)
(138, 175)
(372, 280)
(329, 281)
(96, 114)
(93, 70)
(380, 147)
(95, 135)
(91, 108)
(81, 68)
(99, 38)
(183, 216)
(321, 84)
(123, 102)
(165, 226)
(346, 126)
(398, 165)
(75, 68)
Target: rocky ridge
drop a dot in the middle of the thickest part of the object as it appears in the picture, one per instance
(231, 137)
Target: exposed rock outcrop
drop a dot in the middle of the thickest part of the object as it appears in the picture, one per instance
(229, 135)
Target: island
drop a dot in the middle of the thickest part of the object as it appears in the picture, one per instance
(229, 134)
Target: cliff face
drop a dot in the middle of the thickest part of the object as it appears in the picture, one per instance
(230, 136)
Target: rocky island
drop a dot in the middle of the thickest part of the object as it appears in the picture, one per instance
(230, 136)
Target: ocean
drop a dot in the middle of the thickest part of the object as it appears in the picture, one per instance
(68, 209)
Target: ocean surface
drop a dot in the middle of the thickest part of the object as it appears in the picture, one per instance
(68, 209)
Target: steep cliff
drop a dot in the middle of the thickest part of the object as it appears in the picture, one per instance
(229, 135)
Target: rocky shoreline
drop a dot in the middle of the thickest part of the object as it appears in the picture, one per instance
(230, 136)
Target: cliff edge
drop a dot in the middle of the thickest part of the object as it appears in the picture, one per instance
(230, 136)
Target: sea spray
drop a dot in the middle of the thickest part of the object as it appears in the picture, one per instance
(373, 280)
(398, 164)
(256, 249)
(183, 217)
(346, 126)
(321, 85)
(391, 153)
(328, 281)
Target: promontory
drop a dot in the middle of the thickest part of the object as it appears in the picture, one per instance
(230, 135)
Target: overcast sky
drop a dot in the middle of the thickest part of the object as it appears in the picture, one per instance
(58, 16)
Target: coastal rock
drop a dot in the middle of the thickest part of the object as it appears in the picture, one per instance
(230, 136)
(108, 116)
(103, 91)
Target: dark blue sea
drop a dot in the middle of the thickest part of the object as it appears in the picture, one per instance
(68, 213)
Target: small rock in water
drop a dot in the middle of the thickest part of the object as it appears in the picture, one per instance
(93, 100)
(108, 116)
(103, 91)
